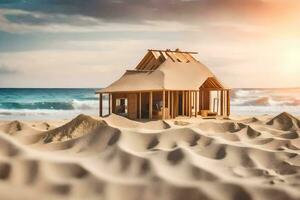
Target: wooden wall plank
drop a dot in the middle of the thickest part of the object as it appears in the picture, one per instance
(132, 105)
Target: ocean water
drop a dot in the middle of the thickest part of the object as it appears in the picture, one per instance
(36, 104)
(265, 101)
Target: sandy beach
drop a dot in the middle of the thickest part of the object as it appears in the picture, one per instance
(115, 158)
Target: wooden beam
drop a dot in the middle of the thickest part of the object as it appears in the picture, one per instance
(182, 102)
(142, 70)
(172, 105)
(140, 105)
(189, 52)
(196, 104)
(218, 97)
(150, 105)
(145, 61)
(222, 102)
(228, 102)
(169, 102)
(100, 105)
(164, 105)
(177, 104)
(171, 56)
(109, 104)
(187, 102)
(190, 103)
(200, 100)
(208, 98)
(202, 96)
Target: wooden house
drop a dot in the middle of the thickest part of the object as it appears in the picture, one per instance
(164, 85)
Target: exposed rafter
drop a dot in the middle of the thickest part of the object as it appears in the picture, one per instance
(154, 58)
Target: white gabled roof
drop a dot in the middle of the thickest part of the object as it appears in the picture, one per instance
(168, 70)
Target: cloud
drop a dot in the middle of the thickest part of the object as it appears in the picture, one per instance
(19, 21)
(236, 39)
(5, 70)
(138, 10)
(147, 15)
(141, 11)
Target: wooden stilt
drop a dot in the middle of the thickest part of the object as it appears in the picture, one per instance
(172, 104)
(183, 103)
(164, 105)
(177, 104)
(222, 102)
(100, 105)
(196, 104)
(218, 103)
(140, 105)
(169, 101)
(202, 98)
(150, 105)
(199, 100)
(190, 104)
(109, 104)
(187, 103)
(208, 98)
(228, 102)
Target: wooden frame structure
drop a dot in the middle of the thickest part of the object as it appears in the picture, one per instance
(191, 103)
(152, 103)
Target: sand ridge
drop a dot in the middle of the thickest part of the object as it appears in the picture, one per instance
(115, 158)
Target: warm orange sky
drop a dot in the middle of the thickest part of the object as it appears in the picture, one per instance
(249, 43)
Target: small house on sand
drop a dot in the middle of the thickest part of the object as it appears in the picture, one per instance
(164, 85)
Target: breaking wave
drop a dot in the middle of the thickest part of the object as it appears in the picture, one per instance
(265, 97)
(72, 105)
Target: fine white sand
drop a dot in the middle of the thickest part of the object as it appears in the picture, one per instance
(115, 158)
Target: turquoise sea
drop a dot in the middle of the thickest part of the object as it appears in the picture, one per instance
(47, 103)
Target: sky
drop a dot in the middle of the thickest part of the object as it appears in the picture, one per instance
(90, 43)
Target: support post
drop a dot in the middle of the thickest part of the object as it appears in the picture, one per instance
(150, 105)
(222, 102)
(140, 105)
(176, 108)
(196, 103)
(172, 105)
(183, 103)
(100, 105)
(169, 101)
(190, 103)
(218, 97)
(164, 105)
(109, 103)
(200, 100)
(228, 102)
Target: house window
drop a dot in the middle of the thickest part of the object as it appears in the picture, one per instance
(121, 106)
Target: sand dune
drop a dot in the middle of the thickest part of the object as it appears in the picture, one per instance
(115, 158)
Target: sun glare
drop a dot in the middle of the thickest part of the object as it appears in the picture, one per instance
(291, 58)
